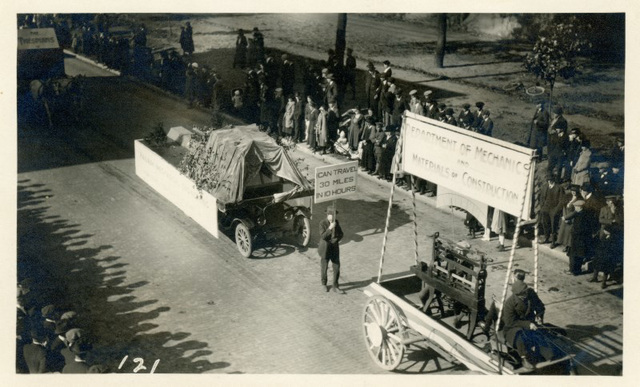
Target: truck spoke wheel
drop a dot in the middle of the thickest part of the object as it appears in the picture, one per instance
(244, 240)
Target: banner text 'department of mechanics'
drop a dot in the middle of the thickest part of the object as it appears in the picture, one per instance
(489, 170)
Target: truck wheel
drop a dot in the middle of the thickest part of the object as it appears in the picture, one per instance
(244, 241)
(302, 230)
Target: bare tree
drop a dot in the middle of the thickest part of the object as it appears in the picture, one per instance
(341, 38)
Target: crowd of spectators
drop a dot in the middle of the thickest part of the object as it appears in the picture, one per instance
(315, 112)
(50, 340)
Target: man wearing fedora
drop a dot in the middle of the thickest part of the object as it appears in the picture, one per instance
(329, 249)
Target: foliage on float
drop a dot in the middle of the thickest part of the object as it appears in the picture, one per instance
(197, 165)
(157, 137)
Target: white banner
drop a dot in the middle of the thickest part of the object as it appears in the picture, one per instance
(483, 168)
(335, 181)
(37, 38)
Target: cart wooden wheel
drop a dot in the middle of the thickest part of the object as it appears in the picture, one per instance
(302, 230)
(244, 240)
(382, 330)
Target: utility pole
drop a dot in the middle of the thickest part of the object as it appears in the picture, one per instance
(442, 40)
(341, 38)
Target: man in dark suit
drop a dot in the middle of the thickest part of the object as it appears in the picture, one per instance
(538, 131)
(288, 75)
(550, 209)
(36, 354)
(477, 115)
(329, 248)
(371, 86)
(520, 312)
(486, 125)
(583, 231)
(331, 92)
(465, 118)
(558, 141)
(430, 105)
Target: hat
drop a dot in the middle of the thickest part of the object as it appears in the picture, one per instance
(70, 315)
(386, 62)
(449, 111)
(255, 28)
(388, 128)
(466, 106)
(370, 66)
(285, 56)
(413, 92)
(551, 177)
(557, 110)
(48, 311)
(520, 274)
(480, 105)
(574, 188)
(370, 119)
(518, 287)
(398, 91)
(578, 203)
(74, 334)
(331, 210)
(586, 143)
(486, 112)
(427, 93)
(329, 76)
(442, 106)
(279, 89)
(586, 187)
(81, 346)
(612, 197)
(38, 333)
(194, 64)
(349, 49)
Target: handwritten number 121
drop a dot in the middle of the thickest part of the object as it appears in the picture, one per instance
(140, 366)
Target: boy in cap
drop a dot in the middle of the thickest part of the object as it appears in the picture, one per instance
(486, 126)
(415, 105)
(449, 118)
(329, 249)
(386, 72)
(477, 115)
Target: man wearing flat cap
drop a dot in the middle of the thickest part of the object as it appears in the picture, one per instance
(449, 118)
(477, 115)
(520, 312)
(430, 105)
(329, 249)
(415, 105)
(486, 125)
(465, 118)
(538, 131)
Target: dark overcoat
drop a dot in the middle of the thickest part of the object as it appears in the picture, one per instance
(328, 247)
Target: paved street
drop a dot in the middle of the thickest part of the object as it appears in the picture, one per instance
(151, 283)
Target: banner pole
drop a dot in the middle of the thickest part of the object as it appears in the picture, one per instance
(393, 186)
(513, 247)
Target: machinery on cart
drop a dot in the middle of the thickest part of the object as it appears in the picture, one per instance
(441, 303)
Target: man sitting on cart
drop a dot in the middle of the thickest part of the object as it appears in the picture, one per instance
(522, 312)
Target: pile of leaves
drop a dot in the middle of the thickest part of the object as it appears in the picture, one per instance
(196, 163)
(157, 137)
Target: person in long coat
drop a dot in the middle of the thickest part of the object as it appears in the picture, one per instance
(368, 160)
(298, 118)
(378, 150)
(388, 151)
(564, 229)
(322, 130)
(520, 313)
(582, 233)
(314, 113)
(538, 131)
(288, 120)
(329, 248)
(371, 85)
(609, 251)
(355, 128)
(581, 173)
(266, 100)
(240, 59)
(486, 125)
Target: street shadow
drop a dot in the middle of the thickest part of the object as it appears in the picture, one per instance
(66, 271)
(594, 348)
(351, 214)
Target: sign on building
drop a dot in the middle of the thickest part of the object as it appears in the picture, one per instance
(335, 181)
(480, 167)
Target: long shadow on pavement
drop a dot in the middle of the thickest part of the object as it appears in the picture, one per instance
(96, 288)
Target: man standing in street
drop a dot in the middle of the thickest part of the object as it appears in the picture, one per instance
(329, 249)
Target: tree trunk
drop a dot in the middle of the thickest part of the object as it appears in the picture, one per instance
(442, 40)
(341, 38)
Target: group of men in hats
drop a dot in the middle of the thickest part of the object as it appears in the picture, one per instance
(49, 341)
